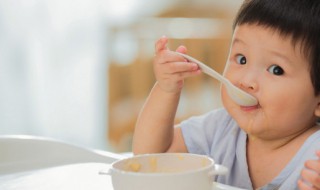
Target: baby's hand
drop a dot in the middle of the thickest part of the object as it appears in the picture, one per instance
(170, 68)
(310, 175)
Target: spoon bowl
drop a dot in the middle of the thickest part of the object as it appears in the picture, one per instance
(239, 96)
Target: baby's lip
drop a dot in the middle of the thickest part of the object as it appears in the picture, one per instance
(250, 108)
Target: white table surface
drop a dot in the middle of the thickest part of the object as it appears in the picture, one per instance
(70, 177)
(83, 176)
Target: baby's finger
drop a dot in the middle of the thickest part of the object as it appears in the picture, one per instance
(181, 49)
(161, 44)
(303, 186)
(165, 57)
(311, 177)
(187, 74)
(313, 165)
(180, 76)
(178, 67)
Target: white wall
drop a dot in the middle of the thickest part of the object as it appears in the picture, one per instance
(53, 64)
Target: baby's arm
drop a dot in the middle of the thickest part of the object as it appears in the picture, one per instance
(310, 175)
(154, 131)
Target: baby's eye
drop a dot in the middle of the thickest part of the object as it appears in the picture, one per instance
(276, 70)
(241, 59)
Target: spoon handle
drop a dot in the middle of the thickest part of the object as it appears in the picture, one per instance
(205, 68)
(238, 95)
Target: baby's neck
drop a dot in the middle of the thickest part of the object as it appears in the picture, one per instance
(279, 143)
(261, 155)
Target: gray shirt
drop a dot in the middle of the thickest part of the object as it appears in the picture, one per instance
(217, 135)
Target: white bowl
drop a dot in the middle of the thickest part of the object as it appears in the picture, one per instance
(165, 171)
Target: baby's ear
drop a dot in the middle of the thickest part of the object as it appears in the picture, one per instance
(317, 111)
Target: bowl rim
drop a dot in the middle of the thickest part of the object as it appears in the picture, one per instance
(209, 167)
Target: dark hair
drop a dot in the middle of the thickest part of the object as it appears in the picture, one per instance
(299, 19)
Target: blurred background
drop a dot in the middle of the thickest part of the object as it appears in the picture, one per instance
(80, 70)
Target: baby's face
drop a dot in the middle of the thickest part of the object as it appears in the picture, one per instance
(268, 66)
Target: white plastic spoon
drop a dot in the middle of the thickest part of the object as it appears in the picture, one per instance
(238, 95)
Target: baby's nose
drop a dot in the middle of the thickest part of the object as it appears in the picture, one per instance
(249, 82)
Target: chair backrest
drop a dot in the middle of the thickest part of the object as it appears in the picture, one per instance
(23, 153)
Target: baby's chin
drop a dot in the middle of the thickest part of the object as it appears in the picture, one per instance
(251, 132)
(248, 128)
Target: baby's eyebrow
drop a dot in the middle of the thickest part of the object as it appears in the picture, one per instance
(237, 40)
(280, 55)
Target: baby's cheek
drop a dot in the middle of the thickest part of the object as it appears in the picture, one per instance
(224, 97)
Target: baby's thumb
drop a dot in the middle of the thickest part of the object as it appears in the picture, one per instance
(161, 44)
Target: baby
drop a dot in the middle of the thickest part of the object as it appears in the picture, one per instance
(275, 57)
